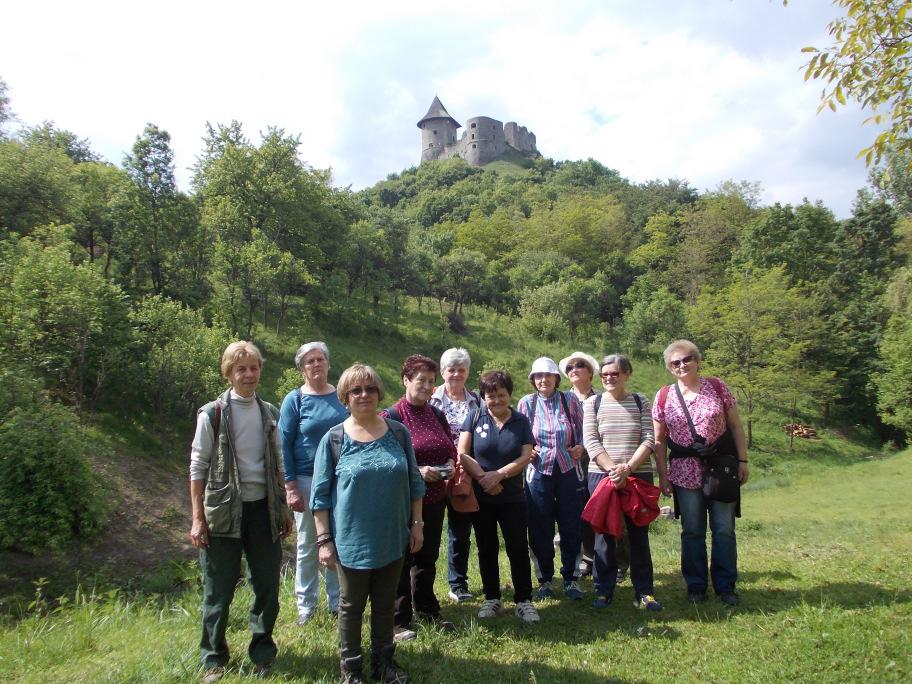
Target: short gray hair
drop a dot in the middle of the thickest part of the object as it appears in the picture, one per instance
(622, 362)
(680, 345)
(455, 356)
(308, 347)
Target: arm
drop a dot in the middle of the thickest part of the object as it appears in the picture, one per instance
(734, 424)
(321, 501)
(288, 428)
(200, 456)
(576, 423)
(326, 552)
(416, 534)
(592, 440)
(647, 441)
(661, 437)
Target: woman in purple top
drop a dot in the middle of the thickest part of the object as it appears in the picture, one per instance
(715, 414)
(436, 457)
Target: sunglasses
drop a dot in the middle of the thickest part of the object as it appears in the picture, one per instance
(610, 374)
(677, 363)
(579, 365)
(359, 390)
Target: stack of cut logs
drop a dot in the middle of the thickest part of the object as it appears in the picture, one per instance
(799, 430)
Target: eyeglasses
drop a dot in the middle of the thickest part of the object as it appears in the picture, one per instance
(610, 375)
(579, 365)
(359, 390)
(677, 363)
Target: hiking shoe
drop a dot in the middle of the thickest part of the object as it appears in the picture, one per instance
(730, 598)
(404, 634)
(545, 591)
(647, 602)
(602, 602)
(385, 669)
(213, 674)
(572, 590)
(621, 575)
(460, 594)
(490, 608)
(526, 612)
(305, 616)
(696, 597)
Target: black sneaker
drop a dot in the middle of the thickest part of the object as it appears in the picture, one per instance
(696, 597)
(730, 598)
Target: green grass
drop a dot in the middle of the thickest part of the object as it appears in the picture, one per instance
(824, 583)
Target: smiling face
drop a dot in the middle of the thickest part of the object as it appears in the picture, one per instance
(684, 364)
(498, 402)
(545, 383)
(614, 379)
(579, 372)
(455, 377)
(420, 388)
(245, 376)
(314, 367)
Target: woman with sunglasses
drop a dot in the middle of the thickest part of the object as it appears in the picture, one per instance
(366, 498)
(618, 434)
(714, 414)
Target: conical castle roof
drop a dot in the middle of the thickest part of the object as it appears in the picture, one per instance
(438, 111)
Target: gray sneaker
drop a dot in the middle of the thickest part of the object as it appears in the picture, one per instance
(526, 612)
(490, 608)
(404, 634)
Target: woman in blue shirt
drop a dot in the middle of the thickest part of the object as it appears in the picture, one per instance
(307, 413)
(366, 499)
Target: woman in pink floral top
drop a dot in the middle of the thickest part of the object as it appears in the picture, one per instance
(713, 409)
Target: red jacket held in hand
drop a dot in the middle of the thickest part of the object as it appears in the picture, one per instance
(638, 500)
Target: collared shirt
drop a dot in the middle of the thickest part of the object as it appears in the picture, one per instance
(455, 411)
(554, 429)
(494, 447)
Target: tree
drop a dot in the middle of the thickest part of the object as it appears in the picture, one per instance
(869, 62)
(48, 135)
(36, 187)
(5, 112)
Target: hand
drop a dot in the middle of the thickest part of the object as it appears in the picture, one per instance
(619, 473)
(576, 452)
(417, 539)
(665, 485)
(743, 472)
(199, 533)
(287, 524)
(429, 473)
(489, 479)
(327, 555)
(293, 497)
(495, 490)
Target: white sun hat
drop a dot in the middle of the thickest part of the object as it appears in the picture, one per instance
(582, 356)
(544, 365)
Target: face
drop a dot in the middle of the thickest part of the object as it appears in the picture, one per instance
(363, 397)
(683, 363)
(498, 401)
(245, 376)
(314, 366)
(420, 388)
(579, 372)
(613, 378)
(545, 383)
(455, 376)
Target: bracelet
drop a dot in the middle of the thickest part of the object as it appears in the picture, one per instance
(324, 541)
(420, 523)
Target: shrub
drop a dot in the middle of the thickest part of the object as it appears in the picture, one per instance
(48, 495)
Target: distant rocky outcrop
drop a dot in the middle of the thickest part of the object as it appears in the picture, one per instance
(484, 139)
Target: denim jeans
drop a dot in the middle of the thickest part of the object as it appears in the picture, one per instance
(307, 575)
(459, 537)
(694, 508)
(557, 497)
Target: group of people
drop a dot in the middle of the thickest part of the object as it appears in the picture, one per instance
(370, 490)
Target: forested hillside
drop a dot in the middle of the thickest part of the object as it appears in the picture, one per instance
(121, 289)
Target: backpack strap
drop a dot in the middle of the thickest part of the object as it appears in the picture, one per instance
(639, 401)
(598, 404)
(662, 397)
(335, 443)
(442, 419)
(566, 409)
(393, 413)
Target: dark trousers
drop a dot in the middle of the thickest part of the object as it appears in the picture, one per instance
(415, 593)
(459, 538)
(604, 570)
(220, 563)
(511, 517)
(355, 587)
(554, 498)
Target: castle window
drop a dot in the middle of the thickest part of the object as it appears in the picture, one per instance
(435, 131)
(474, 125)
(474, 146)
(473, 136)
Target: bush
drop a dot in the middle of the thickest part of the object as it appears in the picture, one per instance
(48, 495)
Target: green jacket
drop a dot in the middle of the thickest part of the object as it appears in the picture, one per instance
(222, 498)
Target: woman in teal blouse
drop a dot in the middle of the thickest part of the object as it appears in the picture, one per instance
(366, 498)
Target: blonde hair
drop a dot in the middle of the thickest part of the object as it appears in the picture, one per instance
(358, 373)
(680, 345)
(236, 351)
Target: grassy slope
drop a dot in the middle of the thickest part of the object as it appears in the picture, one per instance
(823, 555)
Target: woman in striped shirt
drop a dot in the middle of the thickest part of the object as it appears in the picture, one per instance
(618, 435)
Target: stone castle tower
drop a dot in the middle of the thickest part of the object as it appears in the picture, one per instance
(483, 140)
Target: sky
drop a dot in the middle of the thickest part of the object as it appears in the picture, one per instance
(700, 90)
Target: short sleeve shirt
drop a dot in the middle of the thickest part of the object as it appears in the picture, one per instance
(494, 448)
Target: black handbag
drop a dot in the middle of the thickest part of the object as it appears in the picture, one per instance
(720, 461)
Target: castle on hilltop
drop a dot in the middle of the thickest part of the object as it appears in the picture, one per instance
(483, 140)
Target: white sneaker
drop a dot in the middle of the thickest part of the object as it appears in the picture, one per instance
(490, 608)
(526, 612)
(305, 616)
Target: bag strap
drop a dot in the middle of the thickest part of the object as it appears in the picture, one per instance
(598, 404)
(662, 397)
(690, 423)
(566, 409)
(393, 413)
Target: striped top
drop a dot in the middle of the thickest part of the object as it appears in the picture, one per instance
(554, 431)
(618, 430)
